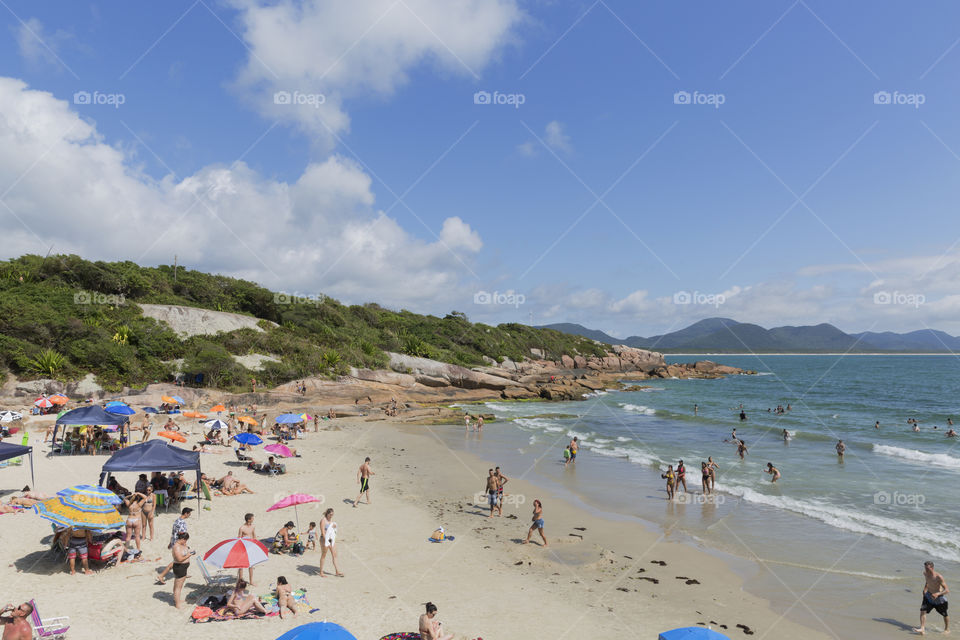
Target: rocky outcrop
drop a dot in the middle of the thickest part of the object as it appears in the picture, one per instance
(192, 321)
(384, 377)
(431, 372)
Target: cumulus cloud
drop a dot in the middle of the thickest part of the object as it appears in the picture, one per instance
(320, 233)
(556, 137)
(36, 46)
(341, 51)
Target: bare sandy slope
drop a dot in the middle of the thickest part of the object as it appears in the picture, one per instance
(603, 585)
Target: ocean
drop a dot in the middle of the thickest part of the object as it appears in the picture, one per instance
(838, 544)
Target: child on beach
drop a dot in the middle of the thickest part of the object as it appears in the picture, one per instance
(566, 456)
(312, 536)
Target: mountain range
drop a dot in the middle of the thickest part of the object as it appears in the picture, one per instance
(723, 335)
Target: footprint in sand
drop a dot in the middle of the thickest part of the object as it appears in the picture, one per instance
(649, 579)
(659, 562)
(692, 581)
(746, 630)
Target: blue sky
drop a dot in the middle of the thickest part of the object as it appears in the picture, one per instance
(797, 200)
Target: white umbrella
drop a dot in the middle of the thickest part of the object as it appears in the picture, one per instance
(10, 416)
(215, 424)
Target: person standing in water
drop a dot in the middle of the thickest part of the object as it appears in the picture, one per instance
(712, 467)
(841, 448)
(574, 445)
(696, 408)
(934, 597)
(670, 478)
(705, 478)
(876, 425)
(741, 448)
(773, 471)
(681, 476)
(786, 436)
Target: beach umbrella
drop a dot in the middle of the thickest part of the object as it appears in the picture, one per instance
(194, 414)
(237, 553)
(288, 418)
(281, 450)
(306, 416)
(179, 400)
(43, 403)
(293, 501)
(218, 408)
(318, 631)
(150, 410)
(88, 493)
(96, 515)
(248, 438)
(10, 416)
(168, 399)
(120, 409)
(692, 633)
(248, 420)
(172, 435)
(215, 424)
(58, 399)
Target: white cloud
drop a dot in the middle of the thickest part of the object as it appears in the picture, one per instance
(556, 138)
(344, 51)
(528, 149)
(36, 46)
(321, 233)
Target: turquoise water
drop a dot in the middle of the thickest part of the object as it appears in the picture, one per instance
(862, 526)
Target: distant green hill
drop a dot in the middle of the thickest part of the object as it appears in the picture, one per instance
(723, 335)
(63, 316)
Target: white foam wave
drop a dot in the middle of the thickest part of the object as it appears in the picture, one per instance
(633, 454)
(602, 440)
(595, 394)
(651, 389)
(925, 536)
(623, 439)
(637, 408)
(918, 457)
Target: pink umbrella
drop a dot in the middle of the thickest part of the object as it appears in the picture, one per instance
(281, 450)
(293, 501)
(237, 553)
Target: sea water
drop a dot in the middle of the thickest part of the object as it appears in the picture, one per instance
(840, 544)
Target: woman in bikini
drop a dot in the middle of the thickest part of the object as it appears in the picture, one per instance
(537, 523)
(328, 541)
(134, 525)
(670, 478)
(241, 602)
(285, 598)
(148, 510)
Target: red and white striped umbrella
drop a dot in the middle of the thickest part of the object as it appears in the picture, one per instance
(237, 553)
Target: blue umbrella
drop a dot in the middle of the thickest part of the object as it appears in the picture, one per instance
(248, 438)
(120, 409)
(77, 494)
(179, 399)
(692, 633)
(318, 631)
(117, 402)
(150, 410)
(287, 418)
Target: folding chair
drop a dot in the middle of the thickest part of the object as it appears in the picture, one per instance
(53, 628)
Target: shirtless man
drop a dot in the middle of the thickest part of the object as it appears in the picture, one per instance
(247, 531)
(841, 448)
(491, 491)
(431, 629)
(15, 621)
(773, 471)
(363, 478)
(934, 597)
(501, 480)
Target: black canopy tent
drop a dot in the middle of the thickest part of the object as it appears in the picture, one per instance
(8, 451)
(87, 416)
(152, 455)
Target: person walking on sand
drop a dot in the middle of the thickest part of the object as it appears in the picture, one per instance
(671, 479)
(841, 448)
(431, 629)
(491, 490)
(363, 478)
(247, 530)
(712, 467)
(681, 476)
(328, 541)
(934, 597)
(537, 523)
(773, 471)
(501, 480)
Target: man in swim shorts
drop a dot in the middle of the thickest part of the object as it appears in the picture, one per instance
(363, 477)
(491, 490)
(934, 597)
(78, 545)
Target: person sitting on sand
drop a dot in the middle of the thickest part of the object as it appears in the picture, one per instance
(114, 486)
(15, 621)
(285, 598)
(773, 471)
(202, 448)
(23, 502)
(285, 538)
(537, 523)
(430, 628)
(241, 602)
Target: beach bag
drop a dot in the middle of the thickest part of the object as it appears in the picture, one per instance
(201, 613)
(297, 548)
(438, 535)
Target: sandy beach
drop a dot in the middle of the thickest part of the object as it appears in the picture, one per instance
(598, 578)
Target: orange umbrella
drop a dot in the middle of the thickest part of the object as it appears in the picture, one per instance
(172, 435)
(219, 407)
(247, 419)
(59, 399)
(193, 414)
(168, 400)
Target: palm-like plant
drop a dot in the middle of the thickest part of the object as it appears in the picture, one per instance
(47, 362)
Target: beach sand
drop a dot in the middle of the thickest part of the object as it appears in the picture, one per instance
(598, 579)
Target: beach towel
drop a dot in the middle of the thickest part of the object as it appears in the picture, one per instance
(403, 635)
(269, 601)
(330, 537)
(205, 614)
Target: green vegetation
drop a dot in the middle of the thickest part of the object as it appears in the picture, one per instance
(63, 316)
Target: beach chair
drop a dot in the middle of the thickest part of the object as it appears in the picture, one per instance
(52, 628)
(25, 440)
(214, 581)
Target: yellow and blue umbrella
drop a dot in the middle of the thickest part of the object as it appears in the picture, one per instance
(90, 514)
(84, 494)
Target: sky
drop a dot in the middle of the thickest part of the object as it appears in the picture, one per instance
(632, 167)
